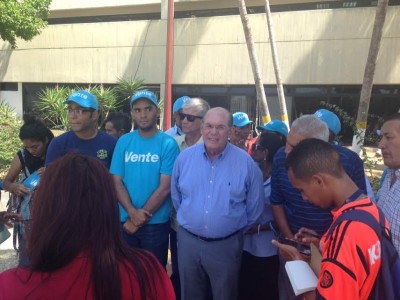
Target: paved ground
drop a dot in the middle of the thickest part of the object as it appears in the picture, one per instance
(8, 257)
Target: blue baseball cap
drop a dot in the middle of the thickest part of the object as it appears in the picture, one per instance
(241, 119)
(179, 103)
(84, 99)
(330, 119)
(144, 94)
(275, 126)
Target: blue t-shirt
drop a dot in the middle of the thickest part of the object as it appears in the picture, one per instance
(101, 147)
(140, 161)
(301, 213)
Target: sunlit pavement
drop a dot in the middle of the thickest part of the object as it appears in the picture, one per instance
(8, 256)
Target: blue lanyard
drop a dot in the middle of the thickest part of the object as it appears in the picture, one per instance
(353, 197)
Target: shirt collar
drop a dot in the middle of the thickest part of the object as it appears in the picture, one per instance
(178, 131)
(223, 153)
(337, 211)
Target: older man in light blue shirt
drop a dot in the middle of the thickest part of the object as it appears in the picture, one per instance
(217, 190)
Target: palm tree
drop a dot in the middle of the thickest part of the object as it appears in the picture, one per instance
(366, 89)
(51, 106)
(281, 95)
(261, 98)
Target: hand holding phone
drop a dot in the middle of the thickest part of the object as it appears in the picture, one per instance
(302, 248)
(307, 236)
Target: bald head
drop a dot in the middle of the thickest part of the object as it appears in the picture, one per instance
(221, 113)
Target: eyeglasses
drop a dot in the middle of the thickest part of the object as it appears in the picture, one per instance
(218, 128)
(190, 118)
(256, 147)
(78, 111)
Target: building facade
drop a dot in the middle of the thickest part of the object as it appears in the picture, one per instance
(322, 48)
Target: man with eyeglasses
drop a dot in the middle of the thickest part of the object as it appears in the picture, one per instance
(217, 190)
(84, 136)
(241, 130)
(193, 111)
(142, 166)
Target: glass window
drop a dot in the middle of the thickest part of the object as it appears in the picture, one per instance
(9, 86)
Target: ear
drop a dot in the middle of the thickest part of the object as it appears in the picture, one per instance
(319, 179)
(158, 111)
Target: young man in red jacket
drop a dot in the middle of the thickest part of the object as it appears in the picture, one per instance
(351, 255)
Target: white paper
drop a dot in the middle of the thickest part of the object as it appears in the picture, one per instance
(301, 276)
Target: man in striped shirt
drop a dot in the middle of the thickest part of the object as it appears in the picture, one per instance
(389, 194)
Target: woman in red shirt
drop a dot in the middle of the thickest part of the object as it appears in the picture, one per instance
(75, 245)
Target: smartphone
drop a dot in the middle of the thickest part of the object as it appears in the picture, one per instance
(303, 249)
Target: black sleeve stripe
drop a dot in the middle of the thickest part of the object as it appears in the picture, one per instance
(342, 266)
(363, 260)
(340, 238)
(336, 240)
(332, 242)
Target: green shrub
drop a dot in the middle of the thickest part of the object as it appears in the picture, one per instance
(51, 105)
(10, 142)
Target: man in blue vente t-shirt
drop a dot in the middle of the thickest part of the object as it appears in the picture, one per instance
(142, 166)
(84, 137)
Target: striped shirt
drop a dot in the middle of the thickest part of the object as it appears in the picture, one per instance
(389, 202)
(301, 213)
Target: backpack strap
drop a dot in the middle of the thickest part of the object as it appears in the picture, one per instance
(24, 167)
(360, 216)
(387, 284)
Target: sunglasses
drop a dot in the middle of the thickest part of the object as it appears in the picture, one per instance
(190, 118)
(256, 147)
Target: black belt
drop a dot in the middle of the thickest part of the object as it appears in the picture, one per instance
(206, 239)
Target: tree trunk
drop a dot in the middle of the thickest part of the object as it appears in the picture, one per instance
(281, 95)
(366, 89)
(261, 98)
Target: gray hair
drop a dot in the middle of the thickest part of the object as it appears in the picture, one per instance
(309, 126)
(199, 104)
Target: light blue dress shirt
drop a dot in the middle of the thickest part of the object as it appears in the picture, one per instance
(216, 198)
(174, 131)
(260, 244)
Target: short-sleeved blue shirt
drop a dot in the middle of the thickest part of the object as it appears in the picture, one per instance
(301, 213)
(101, 147)
(140, 161)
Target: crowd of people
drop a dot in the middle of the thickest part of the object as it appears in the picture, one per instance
(110, 205)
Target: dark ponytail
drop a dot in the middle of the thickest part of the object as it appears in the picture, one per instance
(35, 129)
